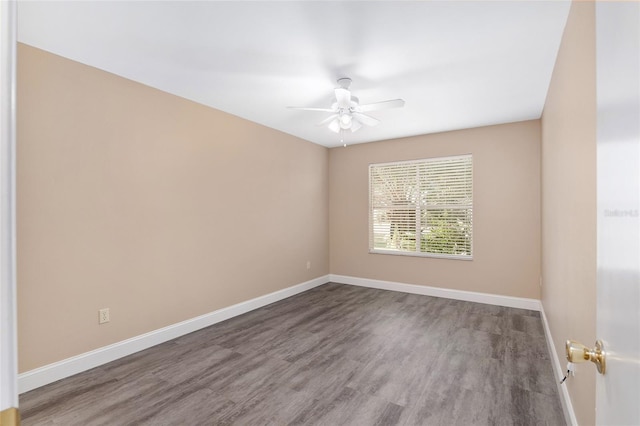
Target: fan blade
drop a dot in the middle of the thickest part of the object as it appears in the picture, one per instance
(355, 125)
(365, 119)
(394, 103)
(328, 119)
(312, 109)
(343, 97)
(334, 126)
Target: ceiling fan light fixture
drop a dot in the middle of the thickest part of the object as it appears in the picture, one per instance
(345, 120)
(334, 126)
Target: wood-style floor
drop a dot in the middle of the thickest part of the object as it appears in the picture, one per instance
(334, 355)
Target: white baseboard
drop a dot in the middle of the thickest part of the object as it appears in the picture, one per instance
(59, 370)
(77, 364)
(469, 296)
(565, 400)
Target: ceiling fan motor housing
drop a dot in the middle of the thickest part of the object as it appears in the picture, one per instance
(344, 82)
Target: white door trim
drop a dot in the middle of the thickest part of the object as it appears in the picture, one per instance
(8, 323)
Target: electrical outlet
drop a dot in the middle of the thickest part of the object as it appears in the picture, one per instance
(103, 316)
(308, 264)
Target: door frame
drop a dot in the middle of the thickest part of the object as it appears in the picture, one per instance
(8, 320)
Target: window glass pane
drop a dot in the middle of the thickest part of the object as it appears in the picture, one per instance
(394, 229)
(447, 182)
(394, 186)
(446, 231)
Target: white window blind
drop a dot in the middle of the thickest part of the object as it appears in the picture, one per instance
(422, 208)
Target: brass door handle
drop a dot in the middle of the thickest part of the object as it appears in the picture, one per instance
(577, 352)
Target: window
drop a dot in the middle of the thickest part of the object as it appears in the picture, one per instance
(422, 208)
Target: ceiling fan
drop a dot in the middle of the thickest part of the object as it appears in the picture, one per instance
(347, 113)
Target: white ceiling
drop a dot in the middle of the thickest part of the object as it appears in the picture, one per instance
(457, 64)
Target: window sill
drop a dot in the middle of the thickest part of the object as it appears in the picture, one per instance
(414, 254)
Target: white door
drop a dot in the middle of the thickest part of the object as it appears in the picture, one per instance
(618, 142)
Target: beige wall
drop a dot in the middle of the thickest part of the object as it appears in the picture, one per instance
(162, 209)
(154, 206)
(506, 239)
(569, 200)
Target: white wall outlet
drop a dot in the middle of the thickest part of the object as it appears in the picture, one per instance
(308, 264)
(103, 316)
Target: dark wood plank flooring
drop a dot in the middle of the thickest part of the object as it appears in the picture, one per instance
(334, 355)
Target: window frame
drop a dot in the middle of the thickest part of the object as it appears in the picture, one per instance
(416, 253)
